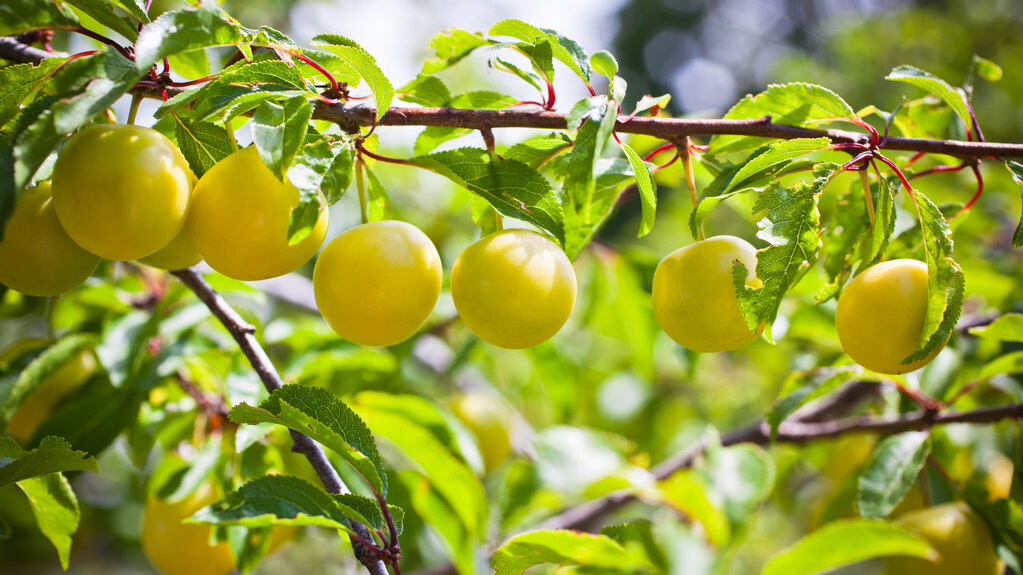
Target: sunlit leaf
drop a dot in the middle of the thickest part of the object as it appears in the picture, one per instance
(319, 414)
(954, 97)
(53, 455)
(566, 548)
(846, 542)
(56, 510)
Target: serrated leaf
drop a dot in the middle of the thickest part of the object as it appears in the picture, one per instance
(639, 532)
(541, 56)
(568, 548)
(203, 144)
(287, 500)
(39, 370)
(530, 77)
(56, 510)
(182, 30)
(53, 455)
(647, 190)
(946, 282)
(567, 51)
(891, 472)
(363, 63)
(796, 104)
(21, 81)
(846, 542)
(429, 91)
(802, 387)
(325, 165)
(450, 46)
(580, 167)
(1016, 170)
(1008, 327)
(778, 154)
(536, 151)
(792, 228)
(102, 12)
(954, 97)
(317, 413)
(239, 89)
(513, 188)
(278, 130)
(17, 16)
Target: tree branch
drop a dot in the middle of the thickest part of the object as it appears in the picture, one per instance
(244, 335)
(15, 51)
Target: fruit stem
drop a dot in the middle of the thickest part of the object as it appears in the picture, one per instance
(498, 221)
(230, 135)
(360, 184)
(133, 110)
(865, 181)
(687, 165)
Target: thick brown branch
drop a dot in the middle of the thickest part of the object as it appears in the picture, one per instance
(243, 334)
(15, 51)
(352, 118)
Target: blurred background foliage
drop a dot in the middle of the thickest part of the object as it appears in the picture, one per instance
(586, 413)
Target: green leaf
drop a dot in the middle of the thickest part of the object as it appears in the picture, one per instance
(413, 424)
(566, 548)
(603, 62)
(113, 80)
(845, 542)
(802, 387)
(316, 412)
(1016, 170)
(22, 81)
(363, 63)
(954, 97)
(647, 189)
(286, 500)
(1004, 518)
(239, 89)
(450, 46)
(53, 455)
(17, 16)
(792, 229)
(688, 492)
(946, 282)
(1008, 327)
(182, 30)
(56, 510)
(102, 11)
(768, 158)
(379, 201)
(580, 168)
(326, 165)
(429, 91)
(641, 533)
(565, 50)
(1008, 363)
(278, 130)
(891, 472)
(537, 151)
(796, 104)
(203, 144)
(648, 102)
(513, 188)
(39, 370)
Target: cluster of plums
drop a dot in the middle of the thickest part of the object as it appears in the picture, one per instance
(126, 193)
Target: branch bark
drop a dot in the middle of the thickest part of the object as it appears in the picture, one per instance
(244, 334)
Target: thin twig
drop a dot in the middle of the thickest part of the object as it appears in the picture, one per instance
(244, 335)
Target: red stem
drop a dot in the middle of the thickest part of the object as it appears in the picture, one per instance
(363, 150)
(980, 189)
(101, 38)
(653, 153)
(898, 172)
(550, 95)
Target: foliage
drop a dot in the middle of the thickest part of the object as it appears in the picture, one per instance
(609, 410)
